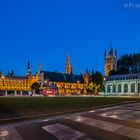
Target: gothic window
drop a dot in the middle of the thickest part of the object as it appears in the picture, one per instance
(114, 88)
(133, 87)
(108, 89)
(125, 88)
(119, 88)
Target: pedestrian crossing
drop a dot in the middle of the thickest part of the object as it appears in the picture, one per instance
(63, 132)
(118, 123)
(112, 127)
(9, 134)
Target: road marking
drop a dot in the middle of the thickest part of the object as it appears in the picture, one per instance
(96, 123)
(122, 114)
(111, 127)
(9, 134)
(63, 132)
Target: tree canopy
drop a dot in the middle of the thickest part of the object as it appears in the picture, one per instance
(127, 64)
(35, 86)
(95, 83)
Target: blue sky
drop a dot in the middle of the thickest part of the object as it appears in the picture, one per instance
(45, 31)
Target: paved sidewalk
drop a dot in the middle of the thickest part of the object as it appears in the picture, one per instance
(120, 122)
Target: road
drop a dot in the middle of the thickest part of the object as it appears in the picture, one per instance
(112, 123)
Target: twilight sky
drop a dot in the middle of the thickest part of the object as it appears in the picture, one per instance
(44, 31)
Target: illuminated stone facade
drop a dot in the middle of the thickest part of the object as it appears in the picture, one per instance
(17, 84)
(122, 85)
(68, 68)
(110, 61)
(67, 82)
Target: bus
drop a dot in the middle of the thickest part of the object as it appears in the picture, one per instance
(49, 90)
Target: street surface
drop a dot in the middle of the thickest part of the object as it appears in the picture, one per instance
(111, 123)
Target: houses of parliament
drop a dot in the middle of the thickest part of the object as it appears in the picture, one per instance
(119, 84)
(67, 82)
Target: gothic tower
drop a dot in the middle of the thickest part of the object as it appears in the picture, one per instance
(68, 68)
(40, 76)
(28, 73)
(110, 61)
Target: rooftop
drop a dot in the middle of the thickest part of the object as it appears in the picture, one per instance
(62, 77)
(123, 77)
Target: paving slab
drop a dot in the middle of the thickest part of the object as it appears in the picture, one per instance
(63, 132)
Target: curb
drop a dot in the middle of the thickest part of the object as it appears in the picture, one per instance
(32, 117)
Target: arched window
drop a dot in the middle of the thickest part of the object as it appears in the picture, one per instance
(139, 87)
(133, 88)
(125, 88)
(119, 88)
(108, 89)
(114, 88)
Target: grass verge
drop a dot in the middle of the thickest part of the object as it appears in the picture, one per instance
(11, 107)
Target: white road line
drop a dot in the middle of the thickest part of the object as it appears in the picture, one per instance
(111, 127)
(63, 132)
(122, 114)
(97, 123)
(9, 134)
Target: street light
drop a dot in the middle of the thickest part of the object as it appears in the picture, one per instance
(3, 82)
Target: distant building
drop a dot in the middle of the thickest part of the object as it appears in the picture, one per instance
(119, 85)
(67, 83)
(68, 68)
(17, 84)
(110, 60)
(125, 84)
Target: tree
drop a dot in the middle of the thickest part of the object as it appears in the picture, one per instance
(96, 83)
(93, 88)
(127, 64)
(35, 86)
(97, 78)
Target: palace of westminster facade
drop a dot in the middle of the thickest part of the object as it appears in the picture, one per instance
(66, 82)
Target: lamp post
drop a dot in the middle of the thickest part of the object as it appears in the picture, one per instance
(104, 86)
(3, 85)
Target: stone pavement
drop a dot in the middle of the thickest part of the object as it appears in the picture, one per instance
(112, 123)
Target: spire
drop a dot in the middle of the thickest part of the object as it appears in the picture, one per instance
(28, 69)
(39, 68)
(68, 59)
(105, 53)
(87, 71)
(111, 49)
(12, 73)
(81, 72)
(8, 74)
(115, 53)
(28, 66)
(68, 68)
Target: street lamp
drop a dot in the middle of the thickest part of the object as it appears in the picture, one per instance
(3, 82)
